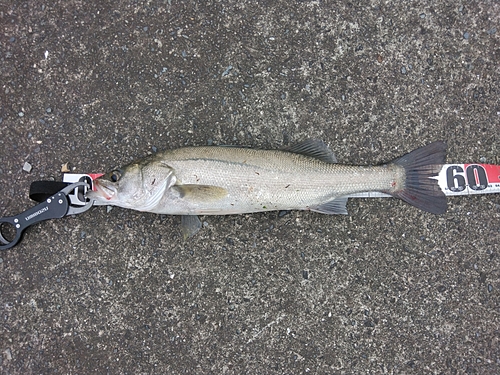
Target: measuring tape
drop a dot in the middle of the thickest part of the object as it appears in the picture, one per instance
(453, 179)
(467, 179)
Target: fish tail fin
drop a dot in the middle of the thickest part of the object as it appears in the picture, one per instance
(421, 190)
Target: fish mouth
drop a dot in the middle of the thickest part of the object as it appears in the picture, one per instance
(102, 192)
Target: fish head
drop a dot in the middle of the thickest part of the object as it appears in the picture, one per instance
(137, 186)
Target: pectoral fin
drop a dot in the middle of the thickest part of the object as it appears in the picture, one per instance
(200, 193)
(190, 225)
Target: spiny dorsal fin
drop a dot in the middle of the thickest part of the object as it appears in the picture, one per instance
(314, 148)
(200, 193)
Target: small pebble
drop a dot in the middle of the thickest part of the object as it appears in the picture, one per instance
(422, 15)
(466, 35)
(226, 72)
(27, 167)
(65, 168)
(154, 149)
(21, 114)
(48, 110)
(490, 288)
(403, 70)
(108, 209)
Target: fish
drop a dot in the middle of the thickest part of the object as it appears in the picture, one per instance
(225, 180)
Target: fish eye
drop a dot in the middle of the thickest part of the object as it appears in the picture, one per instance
(115, 176)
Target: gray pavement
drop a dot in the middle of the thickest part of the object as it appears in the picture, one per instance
(387, 289)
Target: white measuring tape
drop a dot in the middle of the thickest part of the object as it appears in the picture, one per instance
(453, 179)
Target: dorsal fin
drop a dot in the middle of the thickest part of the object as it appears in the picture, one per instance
(314, 148)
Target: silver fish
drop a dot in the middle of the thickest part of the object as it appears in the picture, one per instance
(232, 180)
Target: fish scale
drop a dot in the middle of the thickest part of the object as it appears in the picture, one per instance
(274, 181)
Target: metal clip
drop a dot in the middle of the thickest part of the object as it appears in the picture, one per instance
(54, 207)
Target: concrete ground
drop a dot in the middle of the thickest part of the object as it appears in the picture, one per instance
(388, 289)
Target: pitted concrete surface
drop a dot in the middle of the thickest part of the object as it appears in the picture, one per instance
(387, 289)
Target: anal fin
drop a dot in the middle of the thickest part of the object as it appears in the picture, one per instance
(336, 206)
